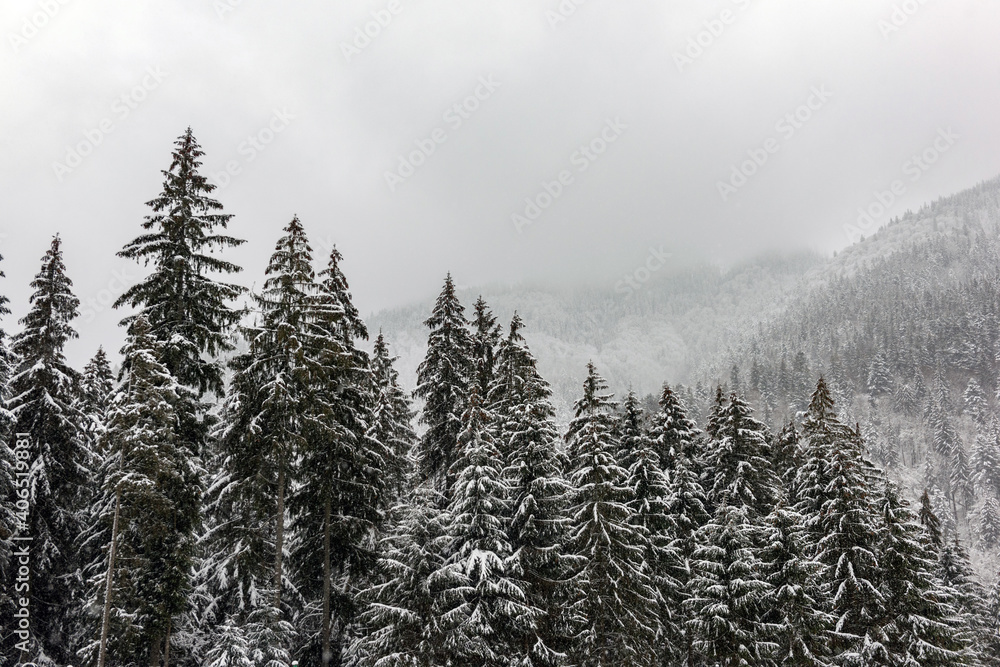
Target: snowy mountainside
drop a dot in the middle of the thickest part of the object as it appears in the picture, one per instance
(663, 332)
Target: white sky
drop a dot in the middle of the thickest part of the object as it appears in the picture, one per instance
(226, 72)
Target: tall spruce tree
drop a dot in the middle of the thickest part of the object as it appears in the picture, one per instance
(96, 388)
(188, 310)
(392, 423)
(794, 615)
(920, 625)
(488, 615)
(649, 486)
(144, 521)
(341, 492)
(403, 623)
(672, 433)
(265, 423)
(486, 336)
(618, 601)
(985, 461)
(737, 461)
(526, 435)
(44, 389)
(443, 381)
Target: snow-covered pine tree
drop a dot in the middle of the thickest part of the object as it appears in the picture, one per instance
(687, 505)
(188, 310)
(267, 412)
(61, 457)
(393, 416)
(96, 388)
(488, 620)
(968, 595)
(527, 440)
(974, 402)
(930, 522)
(737, 462)
(443, 381)
(987, 524)
(617, 600)
(787, 456)
(143, 523)
(727, 589)
(832, 488)
(985, 461)
(672, 433)
(341, 491)
(651, 494)
(401, 624)
(919, 624)
(880, 381)
(794, 615)
(486, 336)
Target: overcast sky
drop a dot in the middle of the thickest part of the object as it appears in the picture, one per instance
(667, 96)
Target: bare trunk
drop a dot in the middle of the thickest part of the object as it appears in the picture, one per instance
(166, 647)
(280, 537)
(154, 651)
(327, 653)
(109, 580)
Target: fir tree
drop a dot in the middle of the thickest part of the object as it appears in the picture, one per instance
(145, 519)
(727, 591)
(402, 623)
(920, 627)
(617, 603)
(671, 432)
(96, 388)
(987, 527)
(341, 486)
(787, 455)
(44, 390)
(485, 338)
(392, 423)
(527, 440)
(488, 616)
(187, 309)
(737, 465)
(930, 522)
(267, 414)
(985, 461)
(650, 490)
(974, 402)
(443, 381)
(795, 617)
(880, 382)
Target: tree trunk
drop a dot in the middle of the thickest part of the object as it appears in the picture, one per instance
(280, 537)
(166, 645)
(327, 653)
(109, 580)
(154, 651)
